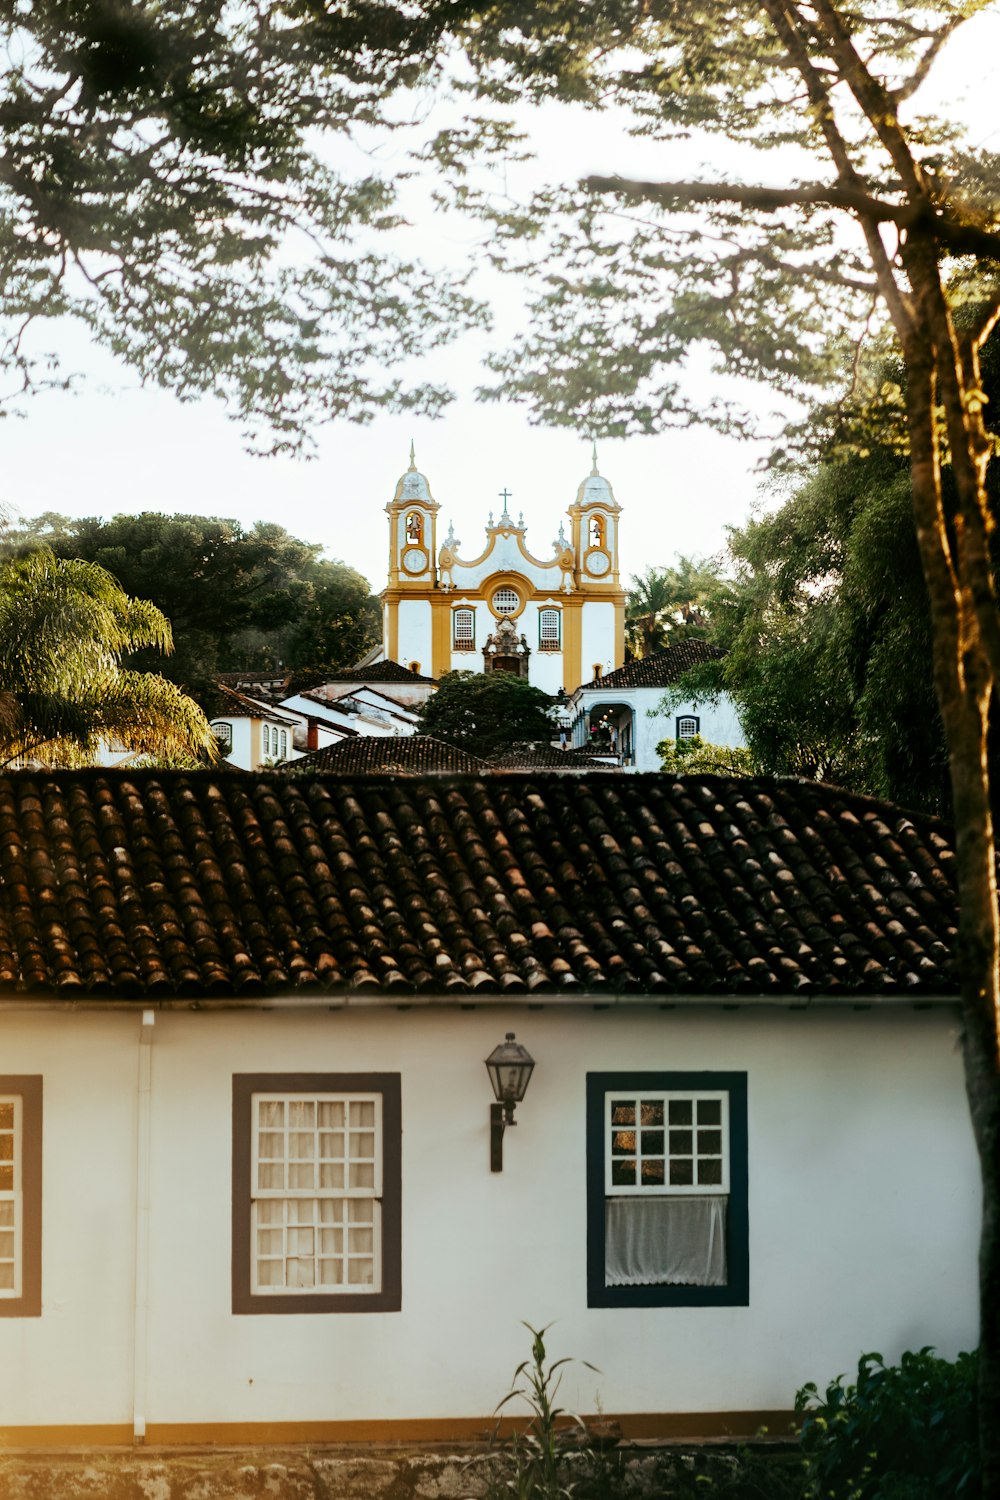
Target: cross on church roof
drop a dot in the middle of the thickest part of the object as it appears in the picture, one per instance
(505, 495)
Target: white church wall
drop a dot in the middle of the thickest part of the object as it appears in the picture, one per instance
(415, 634)
(598, 637)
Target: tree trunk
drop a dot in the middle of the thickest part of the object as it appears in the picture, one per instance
(963, 681)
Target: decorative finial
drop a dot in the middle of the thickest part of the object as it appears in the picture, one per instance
(562, 534)
(593, 453)
(491, 518)
(520, 520)
(413, 458)
(450, 538)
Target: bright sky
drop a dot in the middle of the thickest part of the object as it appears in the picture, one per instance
(117, 448)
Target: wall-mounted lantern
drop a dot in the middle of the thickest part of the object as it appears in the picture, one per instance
(509, 1067)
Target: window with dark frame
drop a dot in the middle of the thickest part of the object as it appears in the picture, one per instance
(688, 726)
(316, 1193)
(463, 627)
(667, 1212)
(20, 1196)
(549, 629)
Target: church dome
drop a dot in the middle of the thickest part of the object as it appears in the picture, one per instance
(413, 485)
(595, 489)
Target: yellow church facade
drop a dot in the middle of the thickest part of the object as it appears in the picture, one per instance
(557, 620)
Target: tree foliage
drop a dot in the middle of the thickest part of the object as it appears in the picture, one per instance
(487, 712)
(237, 600)
(695, 757)
(666, 605)
(64, 628)
(161, 183)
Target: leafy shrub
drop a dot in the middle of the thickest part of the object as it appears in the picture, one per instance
(902, 1432)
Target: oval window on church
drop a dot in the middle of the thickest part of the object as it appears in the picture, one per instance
(506, 602)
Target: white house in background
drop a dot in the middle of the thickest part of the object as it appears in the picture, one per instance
(622, 712)
(556, 619)
(358, 711)
(246, 1192)
(249, 732)
(408, 688)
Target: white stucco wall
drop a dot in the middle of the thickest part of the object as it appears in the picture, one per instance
(598, 636)
(863, 1214)
(719, 722)
(415, 634)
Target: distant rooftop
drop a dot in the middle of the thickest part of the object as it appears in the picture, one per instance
(660, 669)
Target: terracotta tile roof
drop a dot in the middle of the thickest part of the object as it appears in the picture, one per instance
(660, 669)
(413, 755)
(137, 884)
(379, 671)
(547, 757)
(222, 702)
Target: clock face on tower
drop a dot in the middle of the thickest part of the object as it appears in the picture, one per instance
(415, 560)
(597, 564)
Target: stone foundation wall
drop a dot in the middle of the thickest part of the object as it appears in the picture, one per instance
(320, 1473)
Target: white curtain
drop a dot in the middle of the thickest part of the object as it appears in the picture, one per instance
(678, 1240)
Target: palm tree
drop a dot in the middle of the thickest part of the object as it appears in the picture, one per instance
(668, 604)
(65, 625)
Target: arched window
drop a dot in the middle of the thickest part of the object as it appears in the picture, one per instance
(463, 629)
(415, 668)
(283, 737)
(223, 736)
(687, 726)
(415, 528)
(598, 670)
(549, 629)
(267, 739)
(597, 532)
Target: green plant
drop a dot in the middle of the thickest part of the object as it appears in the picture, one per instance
(902, 1432)
(532, 1463)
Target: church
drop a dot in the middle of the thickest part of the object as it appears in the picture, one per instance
(556, 619)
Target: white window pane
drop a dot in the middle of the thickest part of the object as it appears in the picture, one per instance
(327, 1147)
(300, 1273)
(301, 1242)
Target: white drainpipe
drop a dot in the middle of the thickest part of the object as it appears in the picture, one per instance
(140, 1313)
